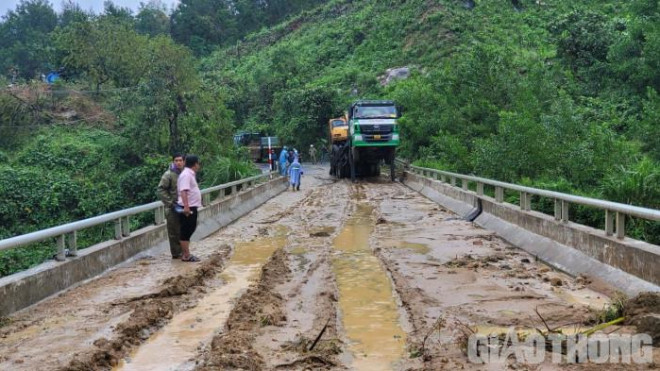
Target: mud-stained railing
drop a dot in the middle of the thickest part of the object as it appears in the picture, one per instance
(615, 213)
(66, 234)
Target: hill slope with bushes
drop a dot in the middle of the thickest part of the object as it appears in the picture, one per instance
(561, 95)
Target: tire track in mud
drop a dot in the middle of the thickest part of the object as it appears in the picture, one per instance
(304, 298)
(260, 305)
(297, 290)
(149, 313)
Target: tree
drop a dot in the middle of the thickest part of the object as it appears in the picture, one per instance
(105, 51)
(170, 84)
(302, 114)
(152, 19)
(635, 56)
(203, 24)
(117, 13)
(24, 38)
(583, 38)
(72, 13)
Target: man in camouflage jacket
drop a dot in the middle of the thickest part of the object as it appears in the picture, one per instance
(167, 193)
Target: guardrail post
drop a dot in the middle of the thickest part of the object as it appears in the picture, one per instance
(443, 178)
(557, 209)
(125, 226)
(118, 229)
(60, 256)
(525, 201)
(564, 211)
(453, 181)
(609, 222)
(233, 190)
(620, 225)
(159, 215)
(222, 193)
(206, 199)
(499, 194)
(480, 189)
(73, 243)
(464, 184)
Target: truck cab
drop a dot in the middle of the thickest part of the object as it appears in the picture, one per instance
(373, 123)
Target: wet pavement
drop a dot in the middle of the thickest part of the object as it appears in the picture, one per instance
(366, 276)
(367, 304)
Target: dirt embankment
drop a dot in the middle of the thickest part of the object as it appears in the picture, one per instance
(643, 311)
(149, 313)
(259, 306)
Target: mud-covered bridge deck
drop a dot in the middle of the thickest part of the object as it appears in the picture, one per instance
(368, 276)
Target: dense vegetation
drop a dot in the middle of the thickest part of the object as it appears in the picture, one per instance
(561, 95)
(98, 140)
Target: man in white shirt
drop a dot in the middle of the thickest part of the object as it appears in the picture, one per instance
(190, 197)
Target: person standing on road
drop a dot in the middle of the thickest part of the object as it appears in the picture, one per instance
(167, 192)
(283, 162)
(312, 153)
(290, 156)
(190, 198)
(295, 173)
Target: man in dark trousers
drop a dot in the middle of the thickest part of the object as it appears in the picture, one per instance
(167, 192)
(190, 199)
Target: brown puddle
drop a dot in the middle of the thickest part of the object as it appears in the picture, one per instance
(174, 346)
(369, 310)
(419, 248)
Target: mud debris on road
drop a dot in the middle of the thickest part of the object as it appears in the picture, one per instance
(338, 276)
(148, 313)
(258, 307)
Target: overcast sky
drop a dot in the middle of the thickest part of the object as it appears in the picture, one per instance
(95, 5)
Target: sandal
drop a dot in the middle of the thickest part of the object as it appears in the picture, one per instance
(191, 259)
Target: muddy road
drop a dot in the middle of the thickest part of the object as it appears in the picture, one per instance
(337, 276)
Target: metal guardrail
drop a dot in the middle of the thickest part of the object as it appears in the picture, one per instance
(615, 213)
(121, 218)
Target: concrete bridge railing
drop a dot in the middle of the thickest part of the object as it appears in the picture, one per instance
(605, 254)
(25, 288)
(615, 213)
(66, 234)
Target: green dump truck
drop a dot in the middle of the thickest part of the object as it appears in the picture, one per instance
(373, 135)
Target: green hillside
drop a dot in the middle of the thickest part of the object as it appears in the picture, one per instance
(560, 95)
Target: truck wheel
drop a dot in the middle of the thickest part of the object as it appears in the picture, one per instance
(351, 163)
(333, 161)
(392, 167)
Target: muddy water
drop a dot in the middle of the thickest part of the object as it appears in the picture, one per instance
(369, 310)
(173, 347)
(418, 248)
